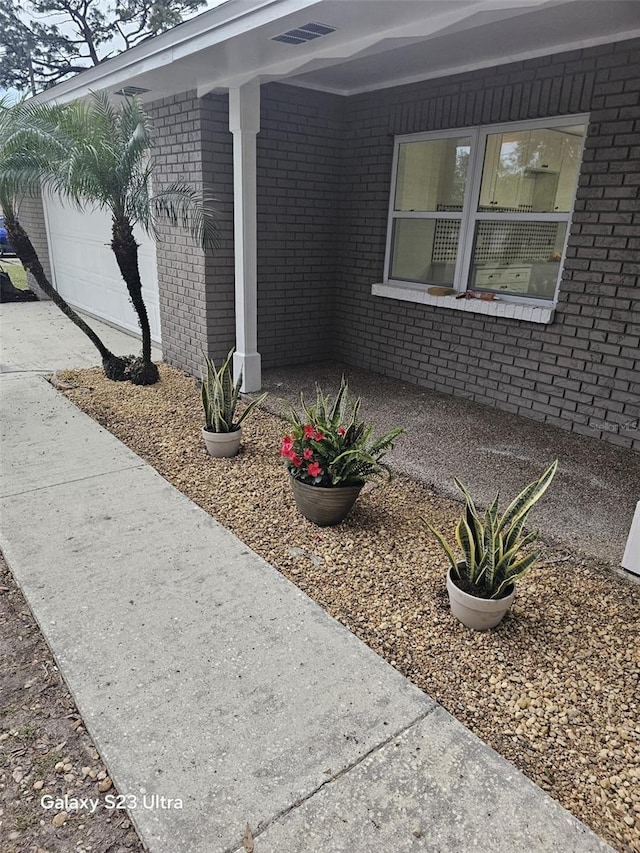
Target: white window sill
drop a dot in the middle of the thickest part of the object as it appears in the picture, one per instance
(502, 308)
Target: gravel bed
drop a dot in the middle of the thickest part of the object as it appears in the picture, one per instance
(555, 689)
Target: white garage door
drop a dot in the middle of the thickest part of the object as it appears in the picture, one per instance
(85, 271)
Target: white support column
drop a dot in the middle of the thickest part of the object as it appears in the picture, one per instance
(631, 559)
(244, 123)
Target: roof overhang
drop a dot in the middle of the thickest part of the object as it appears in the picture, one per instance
(373, 44)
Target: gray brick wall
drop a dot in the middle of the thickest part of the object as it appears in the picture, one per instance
(299, 174)
(192, 145)
(323, 187)
(299, 163)
(31, 215)
(583, 371)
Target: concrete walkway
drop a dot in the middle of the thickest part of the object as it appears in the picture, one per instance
(36, 336)
(205, 676)
(590, 505)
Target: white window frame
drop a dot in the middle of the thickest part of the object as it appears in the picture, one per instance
(523, 307)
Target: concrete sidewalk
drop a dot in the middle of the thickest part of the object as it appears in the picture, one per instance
(204, 676)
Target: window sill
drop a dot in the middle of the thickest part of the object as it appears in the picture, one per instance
(502, 308)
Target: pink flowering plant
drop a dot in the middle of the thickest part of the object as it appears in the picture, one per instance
(328, 446)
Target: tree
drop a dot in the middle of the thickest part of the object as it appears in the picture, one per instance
(97, 153)
(45, 41)
(15, 184)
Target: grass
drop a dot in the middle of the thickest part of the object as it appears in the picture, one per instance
(27, 733)
(42, 766)
(17, 274)
(26, 821)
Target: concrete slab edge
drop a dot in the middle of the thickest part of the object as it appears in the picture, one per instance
(335, 776)
(73, 480)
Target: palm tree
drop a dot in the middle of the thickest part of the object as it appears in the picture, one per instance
(98, 154)
(15, 184)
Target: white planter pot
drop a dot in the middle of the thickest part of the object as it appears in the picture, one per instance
(631, 559)
(481, 614)
(222, 444)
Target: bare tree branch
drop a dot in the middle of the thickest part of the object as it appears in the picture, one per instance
(37, 53)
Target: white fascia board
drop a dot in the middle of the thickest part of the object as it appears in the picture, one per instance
(237, 17)
(210, 28)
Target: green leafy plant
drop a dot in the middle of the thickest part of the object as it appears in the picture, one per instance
(329, 446)
(220, 397)
(492, 545)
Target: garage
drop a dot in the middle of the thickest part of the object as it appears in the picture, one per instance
(85, 271)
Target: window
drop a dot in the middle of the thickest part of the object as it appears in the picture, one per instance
(485, 209)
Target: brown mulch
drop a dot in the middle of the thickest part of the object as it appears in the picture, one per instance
(555, 689)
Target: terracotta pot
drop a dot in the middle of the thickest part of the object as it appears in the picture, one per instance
(324, 506)
(222, 444)
(481, 614)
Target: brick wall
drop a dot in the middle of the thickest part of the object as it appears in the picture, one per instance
(299, 172)
(583, 371)
(324, 169)
(192, 145)
(31, 215)
(298, 152)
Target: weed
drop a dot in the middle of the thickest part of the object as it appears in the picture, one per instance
(41, 766)
(28, 732)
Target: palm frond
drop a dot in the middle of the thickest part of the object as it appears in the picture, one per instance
(182, 205)
(98, 153)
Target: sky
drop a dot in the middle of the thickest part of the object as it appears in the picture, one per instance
(67, 28)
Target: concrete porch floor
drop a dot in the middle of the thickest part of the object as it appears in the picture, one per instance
(590, 505)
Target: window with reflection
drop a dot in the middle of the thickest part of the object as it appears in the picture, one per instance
(485, 209)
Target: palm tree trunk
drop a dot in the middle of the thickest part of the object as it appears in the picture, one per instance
(125, 249)
(114, 367)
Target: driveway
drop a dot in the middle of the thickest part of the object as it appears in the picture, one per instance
(37, 337)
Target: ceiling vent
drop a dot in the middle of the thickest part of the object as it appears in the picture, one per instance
(130, 91)
(303, 34)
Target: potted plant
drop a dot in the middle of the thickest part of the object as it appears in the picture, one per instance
(222, 433)
(330, 454)
(482, 586)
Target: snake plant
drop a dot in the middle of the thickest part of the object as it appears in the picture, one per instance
(492, 545)
(220, 396)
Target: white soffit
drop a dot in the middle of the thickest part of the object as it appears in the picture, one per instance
(375, 43)
(484, 39)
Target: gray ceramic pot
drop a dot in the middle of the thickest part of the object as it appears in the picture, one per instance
(324, 506)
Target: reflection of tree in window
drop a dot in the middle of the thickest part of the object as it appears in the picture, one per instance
(459, 180)
(533, 170)
(517, 225)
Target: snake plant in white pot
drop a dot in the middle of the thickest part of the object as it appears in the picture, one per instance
(481, 587)
(222, 431)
